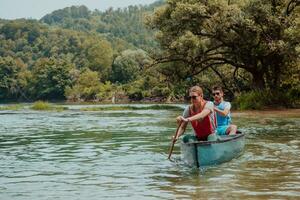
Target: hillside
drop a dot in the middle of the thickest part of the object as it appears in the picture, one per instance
(76, 54)
(126, 24)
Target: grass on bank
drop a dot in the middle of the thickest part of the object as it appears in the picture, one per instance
(11, 107)
(45, 106)
(118, 108)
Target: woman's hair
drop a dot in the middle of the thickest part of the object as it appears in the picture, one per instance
(196, 89)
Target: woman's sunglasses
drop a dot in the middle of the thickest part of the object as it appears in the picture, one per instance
(193, 97)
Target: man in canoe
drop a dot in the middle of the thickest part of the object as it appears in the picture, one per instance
(201, 115)
(222, 109)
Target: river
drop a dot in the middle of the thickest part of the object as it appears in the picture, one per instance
(122, 154)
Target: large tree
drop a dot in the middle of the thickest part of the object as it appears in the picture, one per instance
(128, 65)
(259, 36)
(50, 78)
(13, 77)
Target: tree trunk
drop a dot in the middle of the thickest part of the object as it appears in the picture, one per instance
(258, 82)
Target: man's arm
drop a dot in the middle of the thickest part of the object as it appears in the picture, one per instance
(224, 112)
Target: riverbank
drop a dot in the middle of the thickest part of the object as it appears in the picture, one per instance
(90, 106)
(280, 113)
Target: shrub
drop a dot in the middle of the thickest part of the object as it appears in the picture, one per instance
(267, 98)
(250, 100)
(161, 91)
(41, 105)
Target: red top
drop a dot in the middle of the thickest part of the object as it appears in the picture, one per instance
(202, 128)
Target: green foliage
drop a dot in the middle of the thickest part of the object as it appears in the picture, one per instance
(100, 56)
(27, 29)
(126, 24)
(79, 48)
(85, 88)
(69, 13)
(160, 91)
(87, 55)
(267, 99)
(106, 92)
(41, 69)
(11, 107)
(41, 105)
(51, 77)
(251, 100)
(11, 77)
(148, 88)
(135, 90)
(88, 87)
(254, 35)
(128, 66)
(44, 62)
(291, 83)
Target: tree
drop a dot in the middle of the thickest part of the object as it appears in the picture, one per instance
(65, 14)
(100, 57)
(10, 70)
(253, 35)
(86, 87)
(50, 78)
(129, 65)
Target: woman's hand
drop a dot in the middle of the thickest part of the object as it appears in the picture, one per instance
(180, 119)
(174, 139)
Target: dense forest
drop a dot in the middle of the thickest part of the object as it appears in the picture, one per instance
(155, 52)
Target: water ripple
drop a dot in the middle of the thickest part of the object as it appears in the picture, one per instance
(123, 154)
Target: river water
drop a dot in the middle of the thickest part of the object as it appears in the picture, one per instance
(77, 154)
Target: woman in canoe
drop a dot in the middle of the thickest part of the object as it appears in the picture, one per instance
(201, 115)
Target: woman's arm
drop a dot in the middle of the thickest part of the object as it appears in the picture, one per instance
(182, 128)
(198, 116)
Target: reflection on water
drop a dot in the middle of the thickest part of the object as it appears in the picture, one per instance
(122, 154)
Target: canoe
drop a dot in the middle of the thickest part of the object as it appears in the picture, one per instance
(205, 153)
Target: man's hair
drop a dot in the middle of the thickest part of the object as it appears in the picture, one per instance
(217, 88)
(196, 89)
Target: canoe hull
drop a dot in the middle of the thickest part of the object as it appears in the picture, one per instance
(204, 153)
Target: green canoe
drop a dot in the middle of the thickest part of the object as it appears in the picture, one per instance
(204, 153)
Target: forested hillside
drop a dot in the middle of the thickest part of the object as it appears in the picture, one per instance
(78, 54)
(127, 24)
(155, 52)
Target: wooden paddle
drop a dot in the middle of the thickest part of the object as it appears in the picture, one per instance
(174, 141)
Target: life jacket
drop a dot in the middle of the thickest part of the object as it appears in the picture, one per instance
(204, 127)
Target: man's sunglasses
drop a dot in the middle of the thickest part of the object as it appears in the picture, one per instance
(193, 97)
(216, 93)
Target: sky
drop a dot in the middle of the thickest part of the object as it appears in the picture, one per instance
(36, 9)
